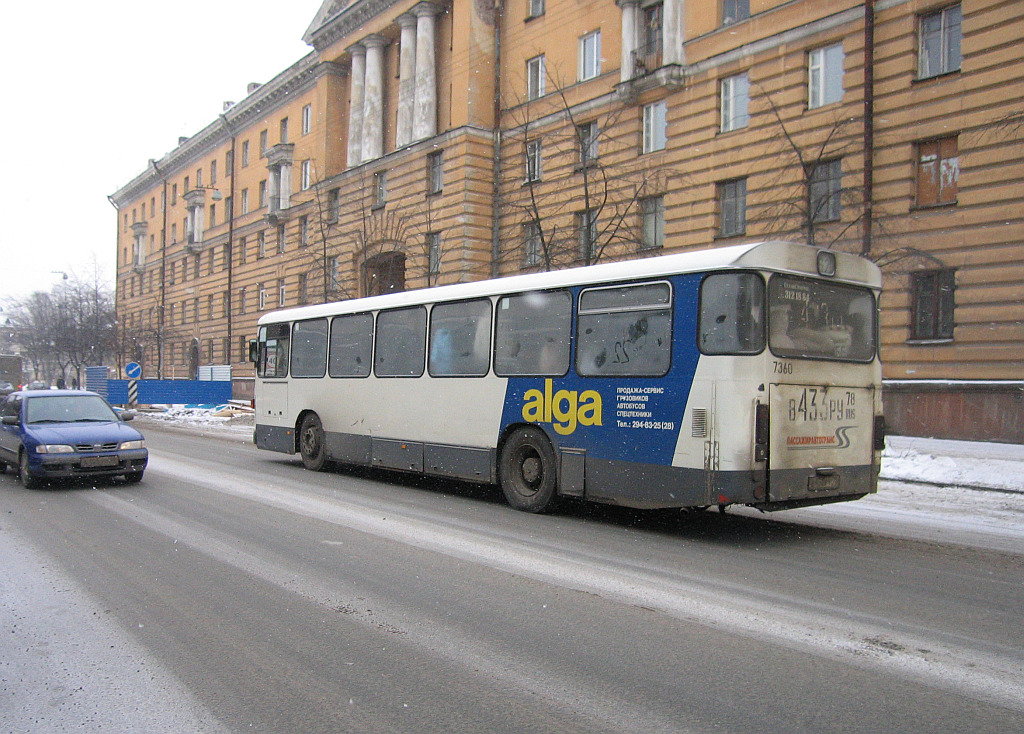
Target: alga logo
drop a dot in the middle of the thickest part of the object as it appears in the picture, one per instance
(564, 409)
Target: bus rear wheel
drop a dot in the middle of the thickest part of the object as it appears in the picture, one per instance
(311, 443)
(527, 470)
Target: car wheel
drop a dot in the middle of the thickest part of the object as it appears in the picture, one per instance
(133, 477)
(27, 478)
(527, 470)
(311, 443)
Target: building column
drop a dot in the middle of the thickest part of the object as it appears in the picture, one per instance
(355, 105)
(630, 37)
(373, 98)
(425, 116)
(406, 79)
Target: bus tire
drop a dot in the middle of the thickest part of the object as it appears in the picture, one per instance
(527, 470)
(311, 443)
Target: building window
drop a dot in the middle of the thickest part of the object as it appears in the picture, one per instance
(433, 253)
(939, 44)
(229, 162)
(586, 234)
(245, 153)
(262, 297)
(303, 289)
(586, 136)
(654, 127)
(534, 158)
(284, 129)
(305, 174)
(280, 239)
(536, 9)
(241, 250)
(281, 295)
(174, 198)
(735, 102)
(533, 245)
(213, 215)
(307, 119)
(333, 284)
(263, 142)
(380, 189)
(932, 294)
(435, 172)
(263, 193)
(535, 76)
(199, 179)
(245, 201)
(303, 231)
(590, 56)
(825, 76)
(241, 300)
(261, 244)
(213, 173)
(733, 11)
(732, 207)
(185, 189)
(938, 171)
(333, 201)
(652, 211)
(826, 188)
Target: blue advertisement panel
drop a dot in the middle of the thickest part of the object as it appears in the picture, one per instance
(626, 418)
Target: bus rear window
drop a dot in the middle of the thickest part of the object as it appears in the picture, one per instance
(815, 319)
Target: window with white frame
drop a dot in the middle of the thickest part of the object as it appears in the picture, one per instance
(586, 233)
(307, 119)
(380, 189)
(733, 11)
(825, 76)
(303, 231)
(826, 186)
(281, 294)
(732, 207)
(245, 153)
(536, 9)
(654, 126)
(590, 56)
(939, 42)
(535, 77)
(306, 174)
(245, 201)
(263, 193)
(534, 159)
(281, 242)
(263, 297)
(586, 136)
(533, 245)
(333, 209)
(735, 102)
(333, 284)
(652, 212)
(435, 172)
(284, 129)
(433, 253)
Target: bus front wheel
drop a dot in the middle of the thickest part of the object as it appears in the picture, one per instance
(527, 470)
(311, 443)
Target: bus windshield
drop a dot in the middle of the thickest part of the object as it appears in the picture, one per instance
(813, 319)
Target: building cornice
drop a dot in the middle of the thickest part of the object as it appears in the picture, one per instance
(334, 22)
(280, 90)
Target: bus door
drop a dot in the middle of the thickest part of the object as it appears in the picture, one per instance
(820, 441)
(271, 371)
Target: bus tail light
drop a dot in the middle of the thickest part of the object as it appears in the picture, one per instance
(878, 434)
(761, 432)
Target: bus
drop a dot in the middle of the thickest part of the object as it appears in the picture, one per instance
(744, 375)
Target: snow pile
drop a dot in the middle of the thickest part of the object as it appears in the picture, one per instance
(954, 463)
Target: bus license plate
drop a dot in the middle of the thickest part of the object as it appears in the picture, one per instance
(97, 462)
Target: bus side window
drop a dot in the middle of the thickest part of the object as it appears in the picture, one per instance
(731, 314)
(273, 351)
(625, 331)
(401, 340)
(460, 339)
(351, 345)
(532, 335)
(309, 348)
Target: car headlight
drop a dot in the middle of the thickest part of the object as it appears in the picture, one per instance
(54, 448)
(140, 444)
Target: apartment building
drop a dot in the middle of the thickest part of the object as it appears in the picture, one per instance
(424, 143)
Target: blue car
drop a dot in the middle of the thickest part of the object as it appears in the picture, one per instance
(67, 434)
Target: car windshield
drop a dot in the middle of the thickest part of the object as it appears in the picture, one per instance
(67, 409)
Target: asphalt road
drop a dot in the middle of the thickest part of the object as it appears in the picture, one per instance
(233, 591)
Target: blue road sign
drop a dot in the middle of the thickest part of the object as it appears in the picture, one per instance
(133, 370)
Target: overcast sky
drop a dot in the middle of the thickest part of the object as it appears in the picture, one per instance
(94, 90)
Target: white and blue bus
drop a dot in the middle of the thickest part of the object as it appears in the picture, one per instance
(737, 375)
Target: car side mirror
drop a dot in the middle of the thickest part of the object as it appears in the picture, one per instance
(11, 420)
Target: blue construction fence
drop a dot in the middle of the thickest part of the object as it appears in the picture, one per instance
(170, 392)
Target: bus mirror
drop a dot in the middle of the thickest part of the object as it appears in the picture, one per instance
(254, 351)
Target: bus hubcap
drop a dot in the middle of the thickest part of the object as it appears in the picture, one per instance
(531, 470)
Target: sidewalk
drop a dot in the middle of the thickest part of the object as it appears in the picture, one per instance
(972, 464)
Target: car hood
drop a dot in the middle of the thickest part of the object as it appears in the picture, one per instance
(76, 433)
